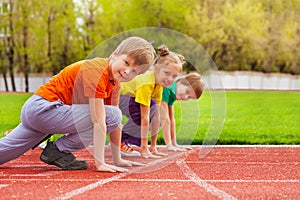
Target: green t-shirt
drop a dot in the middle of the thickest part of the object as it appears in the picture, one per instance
(169, 94)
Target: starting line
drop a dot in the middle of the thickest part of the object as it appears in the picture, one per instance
(3, 185)
(177, 158)
(115, 178)
(148, 180)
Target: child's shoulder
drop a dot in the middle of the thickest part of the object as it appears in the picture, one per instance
(95, 63)
(147, 76)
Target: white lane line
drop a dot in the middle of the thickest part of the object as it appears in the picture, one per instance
(150, 180)
(37, 175)
(244, 163)
(50, 173)
(245, 146)
(33, 166)
(3, 185)
(211, 181)
(117, 177)
(209, 188)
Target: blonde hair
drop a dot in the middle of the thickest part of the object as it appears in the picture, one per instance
(195, 81)
(166, 57)
(137, 48)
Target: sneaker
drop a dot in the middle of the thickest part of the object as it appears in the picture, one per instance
(127, 151)
(67, 161)
(8, 132)
(43, 145)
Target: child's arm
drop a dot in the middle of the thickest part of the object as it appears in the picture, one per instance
(145, 113)
(165, 123)
(173, 130)
(155, 124)
(169, 127)
(155, 127)
(98, 116)
(172, 125)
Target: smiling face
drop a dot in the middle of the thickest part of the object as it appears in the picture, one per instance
(123, 68)
(166, 75)
(184, 92)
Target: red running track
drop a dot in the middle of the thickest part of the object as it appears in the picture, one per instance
(226, 172)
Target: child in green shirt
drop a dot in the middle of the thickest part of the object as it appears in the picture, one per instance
(188, 87)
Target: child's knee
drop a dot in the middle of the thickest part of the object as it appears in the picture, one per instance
(114, 116)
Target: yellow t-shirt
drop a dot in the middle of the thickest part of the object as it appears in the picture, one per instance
(143, 88)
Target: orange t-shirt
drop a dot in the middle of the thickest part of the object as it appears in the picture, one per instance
(76, 83)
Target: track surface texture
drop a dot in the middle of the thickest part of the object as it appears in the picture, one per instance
(216, 172)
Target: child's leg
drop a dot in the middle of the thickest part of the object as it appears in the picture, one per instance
(20, 140)
(132, 129)
(35, 125)
(82, 136)
(85, 128)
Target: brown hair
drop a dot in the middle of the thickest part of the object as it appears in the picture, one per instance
(195, 81)
(165, 57)
(138, 48)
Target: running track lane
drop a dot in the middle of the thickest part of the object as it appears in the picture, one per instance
(227, 172)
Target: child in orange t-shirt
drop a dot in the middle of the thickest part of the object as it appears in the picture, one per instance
(74, 102)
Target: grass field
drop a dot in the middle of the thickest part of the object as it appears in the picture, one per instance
(252, 117)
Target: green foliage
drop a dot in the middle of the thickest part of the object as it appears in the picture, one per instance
(258, 117)
(260, 35)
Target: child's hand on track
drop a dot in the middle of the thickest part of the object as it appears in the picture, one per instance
(175, 148)
(128, 163)
(145, 153)
(154, 151)
(110, 168)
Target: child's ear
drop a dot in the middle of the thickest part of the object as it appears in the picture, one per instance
(114, 54)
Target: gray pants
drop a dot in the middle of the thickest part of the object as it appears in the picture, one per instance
(40, 117)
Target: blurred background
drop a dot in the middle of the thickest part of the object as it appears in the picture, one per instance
(254, 43)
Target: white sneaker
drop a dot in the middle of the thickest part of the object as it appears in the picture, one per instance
(127, 151)
(43, 145)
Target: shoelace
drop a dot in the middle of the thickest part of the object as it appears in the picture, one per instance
(126, 147)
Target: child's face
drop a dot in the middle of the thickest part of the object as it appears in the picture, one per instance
(123, 68)
(165, 76)
(184, 92)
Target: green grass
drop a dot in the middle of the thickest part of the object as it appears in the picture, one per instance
(10, 109)
(252, 117)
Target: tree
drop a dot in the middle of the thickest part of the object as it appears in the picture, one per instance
(24, 12)
(10, 50)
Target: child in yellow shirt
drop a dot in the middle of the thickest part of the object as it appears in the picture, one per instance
(140, 100)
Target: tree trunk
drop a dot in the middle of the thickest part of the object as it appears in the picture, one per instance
(11, 46)
(5, 81)
(49, 53)
(64, 61)
(26, 63)
(10, 56)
